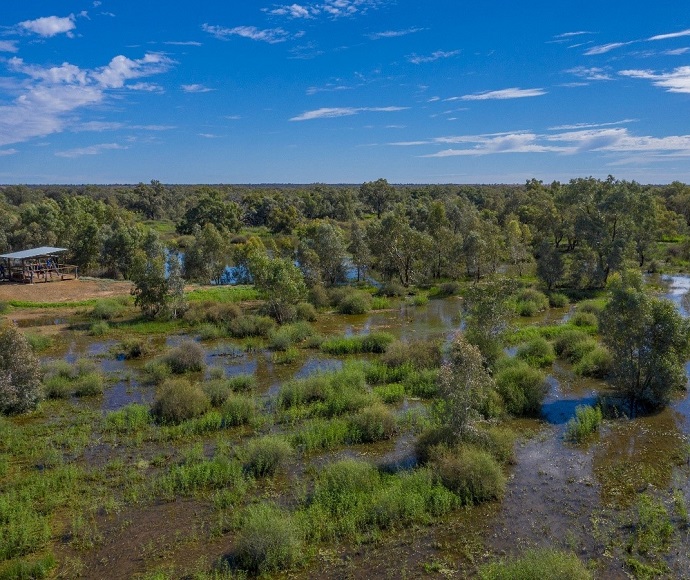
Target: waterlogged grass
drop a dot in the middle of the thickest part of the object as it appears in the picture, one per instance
(223, 294)
(537, 564)
(586, 422)
(376, 342)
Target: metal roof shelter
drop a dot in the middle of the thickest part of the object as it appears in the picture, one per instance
(35, 265)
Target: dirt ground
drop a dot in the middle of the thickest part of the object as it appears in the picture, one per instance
(64, 291)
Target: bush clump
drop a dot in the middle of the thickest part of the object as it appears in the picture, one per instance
(221, 313)
(375, 342)
(106, 309)
(188, 357)
(179, 400)
(355, 303)
(448, 289)
(586, 319)
(537, 565)
(20, 375)
(421, 354)
(374, 423)
(595, 363)
(266, 455)
(573, 344)
(238, 410)
(538, 352)
(268, 539)
(471, 473)
(584, 424)
(251, 325)
(289, 334)
(530, 301)
(558, 300)
(522, 388)
(392, 289)
(305, 311)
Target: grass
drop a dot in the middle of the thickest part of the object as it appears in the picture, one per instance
(66, 304)
(376, 342)
(471, 473)
(266, 455)
(585, 423)
(199, 477)
(38, 342)
(522, 387)
(223, 294)
(179, 400)
(131, 418)
(537, 564)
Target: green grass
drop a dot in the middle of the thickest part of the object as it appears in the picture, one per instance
(223, 294)
(538, 564)
(585, 423)
(67, 304)
(376, 342)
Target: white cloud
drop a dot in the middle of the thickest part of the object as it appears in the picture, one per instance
(677, 81)
(183, 43)
(51, 95)
(417, 59)
(4, 152)
(294, 11)
(328, 88)
(270, 35)
(90, 150)
(670, 35)
(48, 26)
(511, 93)
(571, 34)
(591, 125)
(590, 73)
(148, 87)
(393, 33)
(98, 126)
(676, 51)
(604, 48)
(8, 46)
(208, 135)
(195, 88)
(328, 113)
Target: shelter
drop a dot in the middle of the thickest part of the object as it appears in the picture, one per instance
(42, 264)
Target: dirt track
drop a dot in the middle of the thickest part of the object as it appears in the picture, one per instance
(64, 291)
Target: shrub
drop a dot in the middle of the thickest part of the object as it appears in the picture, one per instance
(238, 409)
(373, 424)
(355, 303)
(156, 371)
(106, 309)
(538, 352)
(595, 363)
(586, 421)
(420, 300)
(581, 318)
(188, 357)
(537, 565)
(38, 342)
(318, 296)
(99, 328)
(133, 347)
(448, 289)
(89, 385)
(390, 393)
(377, 373)
(266, 455)
(431, 441)
(392, 288)
(557, 300)
(591, 306)
(242, 383)
(322, 434)
(522, 387)
(217, 391)
(208, 331)
(422, 383)
(421, 354)
(268, 539)
(251, 325)
(376, 342)
(380, 303)
(530, 301)
(20, 375)
(129, 419)
(4, 307)
(57, 387)
(573, 344)
(289, 334)
(305, 311)
(212, 312)
(471, 473)
(179, 400)
(33, 570)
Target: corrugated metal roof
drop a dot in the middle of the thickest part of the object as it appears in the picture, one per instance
(33, 253)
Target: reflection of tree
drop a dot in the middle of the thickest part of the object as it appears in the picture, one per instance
(634, 454)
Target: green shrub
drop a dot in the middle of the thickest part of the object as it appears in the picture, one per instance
(653, 530)
(289, 334)
(156, 371)
(210, 331)
(591, 306)
(448, 289)
(217, 313)
(595, 363)
(188, 357)
(322, 435)
(431, 441)
(422, 383)
(106, 309)
(530, 301)
(266, 455)
(38, 342)
(191, 477)
(129, 419)
(31, 570)
(573, 344)
(538, 352)
(251, 325)
(373, 423)
(392, 289)
(498, 441)
(238, 409)
(355, 303)
(380, 303)
(557, 300)
(89, 385)
(305, 311)
(217, 391)
(390, 393)
(268, 540)
(134, 347)
(57, 387)
(584, 319)
(526, 309)
(539, 564)
(471, 473)
(4, 307)
(421, 353)
(377, 373)
(99, 328)
(585, 423)
(318, 296)
(376, 342)
(242, 383)
(522, 387)
(179, 400)
(420, 299)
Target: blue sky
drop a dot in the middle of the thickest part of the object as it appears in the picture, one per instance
(343, 91)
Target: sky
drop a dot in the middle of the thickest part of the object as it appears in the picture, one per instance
(343, 91)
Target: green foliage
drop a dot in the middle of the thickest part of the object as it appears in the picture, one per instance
(584, 319)
(355, 303)
(266, 455)
(251, 325)
(289, 334)
(38, 342)
(471, 473)
(268, 540)
(29, 570)
(380, 303)
(187, 357)
(179, 400)
(420, 354)
(422, 383)
(100, 328)
(596, 363)
(373, 423)
(193, 477)
(375, 342)
(557, 300)
(238, 409)
(538, 352)
(20, 379)
(211, 208)
(223, 294)
(322, 434)
(62, 379)
(447, 289)
(392, 289)
(585, 423)
(129, 419)
(107, 309)
(537, 565)
(653, 529)
(305, 311)
(522, 387)
(573, 344)
(390, 393)
(530, 301)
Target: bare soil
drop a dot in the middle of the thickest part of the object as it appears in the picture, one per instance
(64, 290)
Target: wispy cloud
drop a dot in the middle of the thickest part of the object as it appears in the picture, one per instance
(677, 51)
(183, 43)
(590, 73)
(196, 88)
(48, 26)
(604, 48)
(294, 11)
(439, 54)
(677, 81)
(209, 136)
(511, 93)
(571, 34)
(8, 46)
(51, 95)
(270, 35)
(670, 35)
(329, 8)
(393, 33)
(331, 112)
(591, 125)
(90, 150)
(328, 88)
(4, 152)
